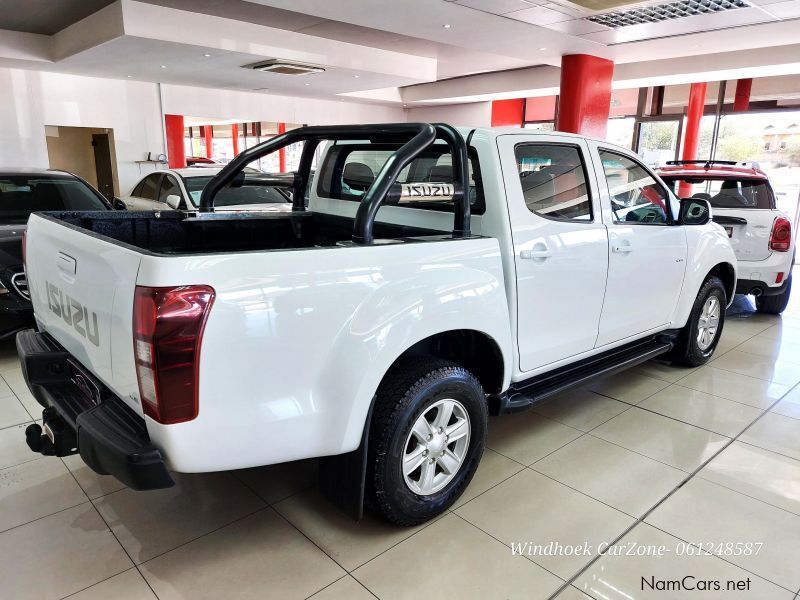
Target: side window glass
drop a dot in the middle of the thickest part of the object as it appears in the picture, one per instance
(168, 186)
(636, 197)
(553, 181)
(137, 191)
(149, 184)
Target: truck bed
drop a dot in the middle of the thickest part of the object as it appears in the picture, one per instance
(176, 233)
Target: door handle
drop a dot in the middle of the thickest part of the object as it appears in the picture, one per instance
(540, 254)
(622, 247)
(66, 264)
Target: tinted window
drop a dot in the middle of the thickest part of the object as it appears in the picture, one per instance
(169, 186)
(148, 187)
(636, 197)
(247, 194)
(553, 181)
(728, 193)
(22, 195)
(350, 169)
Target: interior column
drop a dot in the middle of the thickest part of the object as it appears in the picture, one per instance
(691, 136)
(742, 99)
(584, 98)
(176, 155)
(282, 151)
(235, 138)
(508, 113)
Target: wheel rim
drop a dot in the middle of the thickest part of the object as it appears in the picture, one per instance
(436, 447)
(708, 323)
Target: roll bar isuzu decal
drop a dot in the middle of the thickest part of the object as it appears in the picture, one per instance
(416, 137)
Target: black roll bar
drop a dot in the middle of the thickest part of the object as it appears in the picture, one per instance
(422, 135)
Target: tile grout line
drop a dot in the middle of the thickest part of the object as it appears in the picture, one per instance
(683, 482)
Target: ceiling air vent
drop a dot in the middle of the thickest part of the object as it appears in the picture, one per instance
(284, 67)
(665, 12)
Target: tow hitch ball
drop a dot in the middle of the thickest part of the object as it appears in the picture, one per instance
(55, 439)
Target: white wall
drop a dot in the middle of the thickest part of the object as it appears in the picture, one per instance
(474, 114)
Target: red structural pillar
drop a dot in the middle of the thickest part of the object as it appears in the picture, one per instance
(208, 133)
(691, 137)
(742, 99)
(235, 138)
(282, 151)
(508, 112)
(173, 125)
(584, 98)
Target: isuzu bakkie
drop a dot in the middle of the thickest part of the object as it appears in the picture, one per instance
(437, 275)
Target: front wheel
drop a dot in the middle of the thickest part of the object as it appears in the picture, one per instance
(426, 439)
(700, 336)
(775, 305)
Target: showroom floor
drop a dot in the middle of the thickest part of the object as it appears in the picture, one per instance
(658, 456)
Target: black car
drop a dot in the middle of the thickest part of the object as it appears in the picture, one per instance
(23, 191)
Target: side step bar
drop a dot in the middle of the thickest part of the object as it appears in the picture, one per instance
(524, 394)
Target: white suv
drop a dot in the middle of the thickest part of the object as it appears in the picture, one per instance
(743, 202)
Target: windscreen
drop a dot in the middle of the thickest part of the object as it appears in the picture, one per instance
(247, 194)
(727, 192)
(20, 195)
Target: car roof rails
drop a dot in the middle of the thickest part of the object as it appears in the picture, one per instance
(707, 163)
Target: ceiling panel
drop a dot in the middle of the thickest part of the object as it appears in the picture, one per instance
(46, 16)
(497, 7)
(578, 27)
(539, 15)
(785, 10)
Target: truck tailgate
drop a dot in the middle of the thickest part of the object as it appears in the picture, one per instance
(82, 289)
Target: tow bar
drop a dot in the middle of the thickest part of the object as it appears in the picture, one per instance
(56, 438)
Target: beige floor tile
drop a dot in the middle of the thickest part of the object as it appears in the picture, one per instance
(36, 489)
(628, 387)
(148, 524)
(739, 388)
(16, 381)
(759, 473)
(776, 349)
(5, 390)
(777, 433)
(581, 409)
(493, 469)
(528, 436)
(661, 438)
(704, 512)
(126, 586)
(663, 370)
(714, 413)
(572, 593)
(260, 556)
(350, 543)
(761, 367)
(789, 406)
(615, 577)
(530, 507)
(93, 484)
(273, 483)
(13, 449)
(345, 588)
(786, 329)
(623, 479)
(460, 559)
(752, 324)
(31, 405)
(58, 555)
(12, 412)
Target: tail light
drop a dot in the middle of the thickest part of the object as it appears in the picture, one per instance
(781, 237)
(167, 330)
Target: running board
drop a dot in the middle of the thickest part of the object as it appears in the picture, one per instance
(524, 394)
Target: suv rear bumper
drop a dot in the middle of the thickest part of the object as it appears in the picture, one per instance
(753, 286)
(111, 438)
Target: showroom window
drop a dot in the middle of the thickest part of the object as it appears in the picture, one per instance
(350, 169)
(553, 179)
(636, 197)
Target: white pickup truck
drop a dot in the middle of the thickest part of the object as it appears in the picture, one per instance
(502, 267)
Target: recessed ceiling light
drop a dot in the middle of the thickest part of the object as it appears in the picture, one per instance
(356, 76)
(447, 26)
(128, 76)
(542, 49)
(308, 84)
(207, 55)
(163, 66)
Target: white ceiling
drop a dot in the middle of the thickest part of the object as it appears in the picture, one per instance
(370, 48)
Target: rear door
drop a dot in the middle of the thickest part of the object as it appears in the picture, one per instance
(145, 193)
(82, 290)
(560, 245)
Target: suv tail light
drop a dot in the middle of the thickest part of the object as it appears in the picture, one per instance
(167, 330)
(781, 237)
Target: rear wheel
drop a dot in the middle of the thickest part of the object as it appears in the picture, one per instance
(426, 439)
(700, 336)
(775, 305)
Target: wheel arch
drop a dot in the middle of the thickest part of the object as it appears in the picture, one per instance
(727, 274)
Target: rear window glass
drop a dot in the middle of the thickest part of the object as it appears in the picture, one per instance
(22, 195)
(728, 193)
(350, 169)
(247, 194)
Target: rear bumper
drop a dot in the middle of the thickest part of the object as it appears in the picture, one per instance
(111, 438)
(756, 287)
(761, 274)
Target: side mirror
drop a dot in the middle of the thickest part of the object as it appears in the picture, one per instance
(173, 201)
(118, 204)
(695, 211)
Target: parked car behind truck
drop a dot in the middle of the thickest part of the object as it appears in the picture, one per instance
(437, 276)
